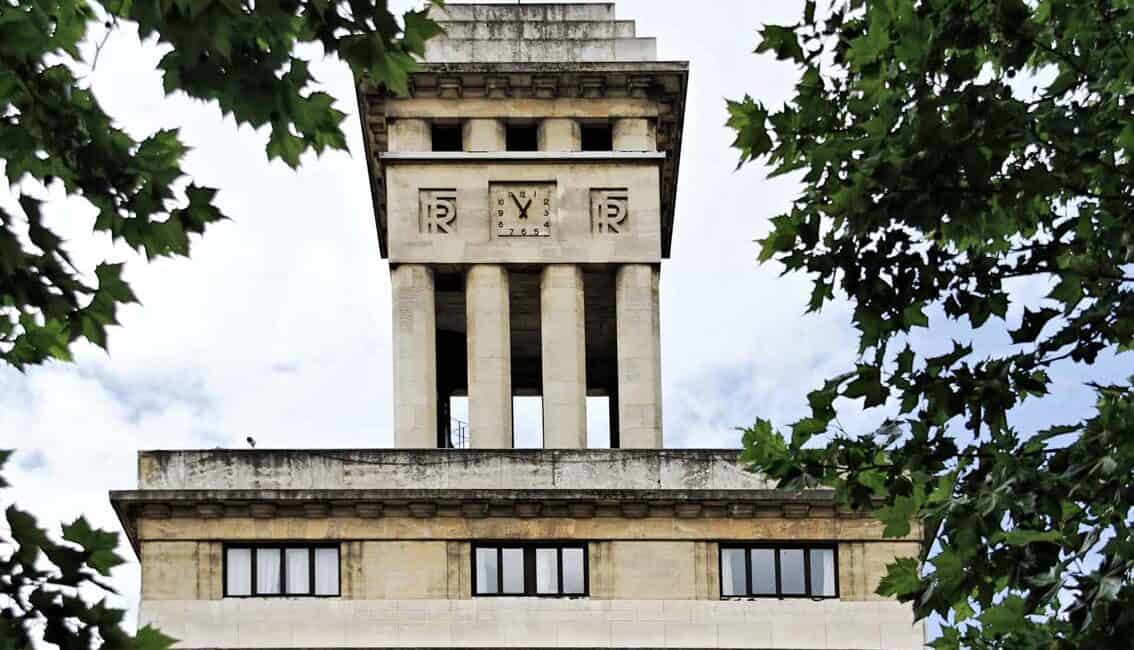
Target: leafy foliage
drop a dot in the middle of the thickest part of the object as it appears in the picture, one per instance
(53, 133)
(41, 582)
(946, 148)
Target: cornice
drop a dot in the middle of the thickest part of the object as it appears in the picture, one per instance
(131, 505)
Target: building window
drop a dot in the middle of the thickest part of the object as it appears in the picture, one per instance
(447, 136)
(544, 570)
(274, 570)
(521, 137)
(779, 571)
(597, 136)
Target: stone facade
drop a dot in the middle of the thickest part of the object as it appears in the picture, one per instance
(524, 195)
(405, 522)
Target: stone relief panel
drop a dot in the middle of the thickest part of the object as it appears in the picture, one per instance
(609, 210)
(438, 211)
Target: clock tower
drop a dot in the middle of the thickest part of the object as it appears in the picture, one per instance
(524, 192)
(524, 195)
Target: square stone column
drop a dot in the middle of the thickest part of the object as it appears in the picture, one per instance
(415, 357)
(484, 134)
(410, 134)
(560, 134)
(639, 356)
(634, 134)
(564, 358)
(490, 357)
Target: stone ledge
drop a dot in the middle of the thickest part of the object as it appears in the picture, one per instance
(524, 156)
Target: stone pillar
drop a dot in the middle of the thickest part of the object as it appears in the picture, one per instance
(560, 134)
(490, 357)
(639, 357)
(634, 134)
(564, 357)
(485, 134)
(415, 357)
(408, 134)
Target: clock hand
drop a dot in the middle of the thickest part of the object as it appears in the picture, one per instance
(515, 200)
(524, 210)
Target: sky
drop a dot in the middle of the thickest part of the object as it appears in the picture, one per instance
(278, 327)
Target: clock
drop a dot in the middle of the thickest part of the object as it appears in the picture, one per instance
(522, 209)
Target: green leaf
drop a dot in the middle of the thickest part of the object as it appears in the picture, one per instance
(898, 516)
(98, 545)
(1033, 324)
(1004, 618)
(901, 580)
(1023, 537)
(782, 41)
(868, 385)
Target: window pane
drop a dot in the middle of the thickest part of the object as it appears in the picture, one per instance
(764, 571)
(574, 567)
(298, 570)
(486, 570)
(732, 572)
(238, 571)
(513, 559)
(547, 571)
(822, 572)
(267, 571)
(326, 572)
(791, 571)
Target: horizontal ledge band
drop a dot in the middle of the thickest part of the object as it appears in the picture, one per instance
(521, 156)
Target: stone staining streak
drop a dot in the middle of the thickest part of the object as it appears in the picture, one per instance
(438, 211)
(609, 209)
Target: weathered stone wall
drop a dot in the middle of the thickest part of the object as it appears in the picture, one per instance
(536, 623)
(534, 33)
(376, 469)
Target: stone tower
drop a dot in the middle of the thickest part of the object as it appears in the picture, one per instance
(523, 194)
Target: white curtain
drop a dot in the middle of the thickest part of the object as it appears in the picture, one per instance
(326, 571)
(547, 571)
(822, 572)
(763, 571)
(732, 571)
(267, 571)
(486, 571)
(298, 570)
(513, 559)
(792, 581)
(238, 572)
(573, 569)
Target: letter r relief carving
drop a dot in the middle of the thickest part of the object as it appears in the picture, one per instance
(609, 210)
(438, 209)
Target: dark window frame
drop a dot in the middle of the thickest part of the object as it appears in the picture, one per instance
(779, 594)
(521, 136)
(592, 133)
(529, 549)
(456, 140)
(281, 547)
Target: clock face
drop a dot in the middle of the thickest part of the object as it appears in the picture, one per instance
(522, 209)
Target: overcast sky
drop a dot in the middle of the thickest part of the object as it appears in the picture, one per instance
(279, 325)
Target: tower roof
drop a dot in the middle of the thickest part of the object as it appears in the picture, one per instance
(533, 33)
